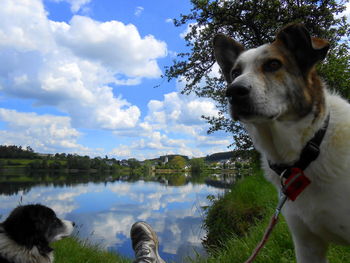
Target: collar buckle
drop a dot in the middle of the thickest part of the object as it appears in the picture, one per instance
(295, 183)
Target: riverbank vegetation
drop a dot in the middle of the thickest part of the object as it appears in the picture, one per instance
(237, 221)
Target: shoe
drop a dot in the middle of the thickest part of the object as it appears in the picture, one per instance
(145, 243)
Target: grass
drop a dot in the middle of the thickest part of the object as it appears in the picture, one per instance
(255, 191)
(73, 250)
(19, 163)
(234, 213)
(23, 163)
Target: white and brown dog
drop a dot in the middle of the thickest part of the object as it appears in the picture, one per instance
(275, 92)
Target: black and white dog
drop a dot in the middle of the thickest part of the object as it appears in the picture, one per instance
(27, 232)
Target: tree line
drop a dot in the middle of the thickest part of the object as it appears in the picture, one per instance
(11, 155)
(17, 152)
(73, 161)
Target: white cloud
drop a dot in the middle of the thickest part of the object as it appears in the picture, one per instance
(76, 5)
(44, 133)
(178, 109)
(20, 33)
(169, 20)
(138, 11)
(114, 44)
(174, 125)
(156, 143)
(189, 29)
(70, 65)
(122, 152)
(152, 144)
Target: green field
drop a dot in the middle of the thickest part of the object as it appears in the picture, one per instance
(22, 163)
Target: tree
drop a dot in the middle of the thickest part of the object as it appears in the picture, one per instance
(147, 168)
(133, 163)
(178, 162)
(197, 165)
(336, 70)
(252, 22)
(13, 151)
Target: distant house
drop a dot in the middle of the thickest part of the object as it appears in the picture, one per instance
(164, 159)
(109, 162)
(241, 160)
(225, 164)
(124, 163)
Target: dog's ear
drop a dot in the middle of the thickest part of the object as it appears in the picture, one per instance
(226, 51)
(306, 49)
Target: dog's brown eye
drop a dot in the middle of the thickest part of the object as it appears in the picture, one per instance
(235, 73)
(272, 65)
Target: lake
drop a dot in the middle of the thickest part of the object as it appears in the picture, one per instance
(105, 208)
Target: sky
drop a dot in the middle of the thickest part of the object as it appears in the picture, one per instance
(84, 77)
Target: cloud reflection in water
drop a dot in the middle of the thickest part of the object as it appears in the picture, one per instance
(106, 211)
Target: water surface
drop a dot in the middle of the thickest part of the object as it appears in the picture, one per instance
(105, 210)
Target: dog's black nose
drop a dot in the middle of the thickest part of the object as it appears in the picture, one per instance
(73, 223)
(237, 92)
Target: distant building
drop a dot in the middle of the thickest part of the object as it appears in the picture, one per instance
(109, 162)
(124, 163)
(164, 159)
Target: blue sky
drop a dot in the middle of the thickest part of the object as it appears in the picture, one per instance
(79, 76)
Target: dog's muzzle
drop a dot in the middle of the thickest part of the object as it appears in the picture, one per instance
(238, 96)
(237, 93)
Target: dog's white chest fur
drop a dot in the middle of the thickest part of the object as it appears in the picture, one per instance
(19, 254)
(323, 207)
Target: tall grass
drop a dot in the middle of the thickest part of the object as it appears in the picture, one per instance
(72, 250)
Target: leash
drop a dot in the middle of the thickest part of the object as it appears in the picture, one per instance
(293, 181)
(273, 222)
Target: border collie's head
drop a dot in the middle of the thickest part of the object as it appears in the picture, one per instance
(36, 226)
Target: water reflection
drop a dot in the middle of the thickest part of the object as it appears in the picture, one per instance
(106, 209)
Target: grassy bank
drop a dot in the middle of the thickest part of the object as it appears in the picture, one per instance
(247, 210)
(76, 251)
